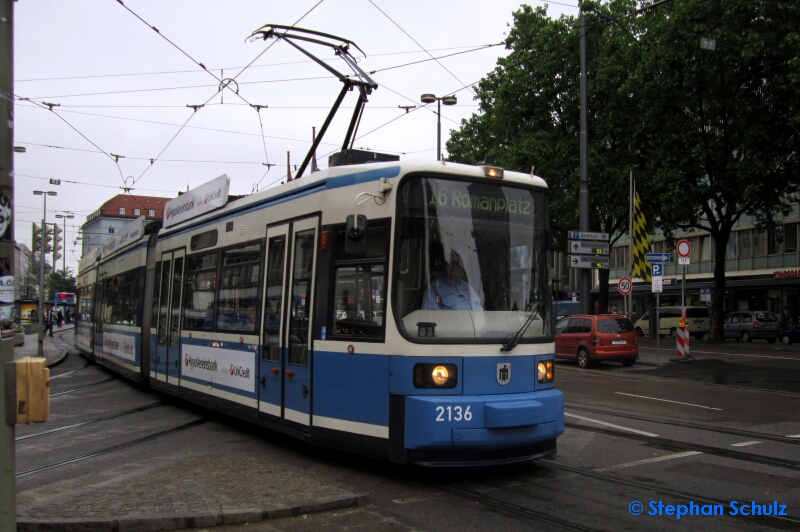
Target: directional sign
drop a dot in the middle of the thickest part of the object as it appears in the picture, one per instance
(658, 270)
(590, 247)
(684, 248)
(585, 235)
(657, 257)
(625, 286)
(588, 261)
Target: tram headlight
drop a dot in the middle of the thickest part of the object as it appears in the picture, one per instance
(435, 376)
(545, 372)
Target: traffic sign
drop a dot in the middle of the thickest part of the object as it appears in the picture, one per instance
(591, 247)
(588, 261)
(684, 248)
(658, 285)
(684, 260)
(658, 270)
(657, 257)
(625, 286)
(585, 235)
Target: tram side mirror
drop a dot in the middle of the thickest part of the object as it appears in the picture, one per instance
(355, 242)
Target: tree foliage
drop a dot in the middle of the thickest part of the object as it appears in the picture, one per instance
(710, 134)
(60, 281)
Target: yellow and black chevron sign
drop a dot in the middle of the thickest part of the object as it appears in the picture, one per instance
(641, 242)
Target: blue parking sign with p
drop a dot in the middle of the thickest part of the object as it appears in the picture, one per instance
(658, 270)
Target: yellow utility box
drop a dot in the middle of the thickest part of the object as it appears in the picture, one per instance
(28, 391)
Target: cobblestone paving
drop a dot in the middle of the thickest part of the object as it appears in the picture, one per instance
(197, 485)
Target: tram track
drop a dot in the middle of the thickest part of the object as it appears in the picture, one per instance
(689, 425)
(512, 509)
(53, 395)
(113, 448)
(676, 445)
(90, 422)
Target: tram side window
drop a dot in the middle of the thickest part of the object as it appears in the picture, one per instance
(200, 292)
(156, 286)
(359, 292)
(237, 307)
(85, 303)
(164, 301)
(120, 299)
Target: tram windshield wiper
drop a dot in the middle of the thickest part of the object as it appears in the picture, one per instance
(512, 342)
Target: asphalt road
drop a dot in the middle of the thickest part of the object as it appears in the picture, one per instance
(724, 428)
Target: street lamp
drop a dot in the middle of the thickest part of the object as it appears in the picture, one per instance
(45, 193)
(64, 255)
(447, 100)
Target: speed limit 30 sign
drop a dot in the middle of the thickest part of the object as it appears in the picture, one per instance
(625, 286)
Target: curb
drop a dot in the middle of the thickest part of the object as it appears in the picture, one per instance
(57, 360)
(177, 522)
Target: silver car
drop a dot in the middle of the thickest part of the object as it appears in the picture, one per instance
(751, 324)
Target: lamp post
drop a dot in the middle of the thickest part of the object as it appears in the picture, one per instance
(65, 216)
(44, 193)
(447, 100)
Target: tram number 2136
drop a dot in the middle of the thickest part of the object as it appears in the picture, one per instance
(453, 413)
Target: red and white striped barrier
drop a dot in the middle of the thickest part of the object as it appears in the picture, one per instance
(682, 345)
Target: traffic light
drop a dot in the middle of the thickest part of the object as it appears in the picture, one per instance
(48, 238)
(57, 247)
(36, 238)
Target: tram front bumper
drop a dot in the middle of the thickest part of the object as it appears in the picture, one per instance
(488, 422)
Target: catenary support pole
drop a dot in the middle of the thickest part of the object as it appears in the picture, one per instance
(583, 198)
(8, 511)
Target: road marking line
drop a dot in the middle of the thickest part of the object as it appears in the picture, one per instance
(745, 443)
(612, 425)
(728, 354)
(793, 436)
(647, 461)
(668, 401)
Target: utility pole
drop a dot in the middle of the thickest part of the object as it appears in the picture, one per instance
(583, 197)
(8, 497)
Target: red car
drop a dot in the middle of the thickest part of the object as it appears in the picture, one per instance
(588, 339)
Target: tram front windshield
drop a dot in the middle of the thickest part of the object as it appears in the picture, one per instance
(472, 261)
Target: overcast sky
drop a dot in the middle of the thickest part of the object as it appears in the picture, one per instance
(123, 89)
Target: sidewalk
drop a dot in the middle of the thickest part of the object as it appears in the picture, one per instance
(54, 349)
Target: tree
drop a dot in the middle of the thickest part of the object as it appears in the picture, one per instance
(60, 281)
(717, 129)
(529, 111)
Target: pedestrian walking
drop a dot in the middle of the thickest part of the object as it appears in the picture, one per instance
(49, 318)
(60, 318)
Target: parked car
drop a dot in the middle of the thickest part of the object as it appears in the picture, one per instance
(789, 335)
(589, 338)
(697, 319)
(750, 325)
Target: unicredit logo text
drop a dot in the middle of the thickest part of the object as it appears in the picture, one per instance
(200, 363)
(239, 371)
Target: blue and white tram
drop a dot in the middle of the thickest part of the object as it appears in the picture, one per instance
(397, 310)
(84, 312)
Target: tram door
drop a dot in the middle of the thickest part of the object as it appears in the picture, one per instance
(285, 373)
(168, 334)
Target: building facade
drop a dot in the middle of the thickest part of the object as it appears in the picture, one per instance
(762, 269)
(114, 214)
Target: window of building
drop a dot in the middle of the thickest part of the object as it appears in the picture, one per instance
(137, 212)
(745, 244)
(237, 309)
(759, 243)
(774, 244)
(151, 212)
(200, 292)
(731, 250)
(790, 238)
(111, 230)
(707, 249)
(122, 210)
